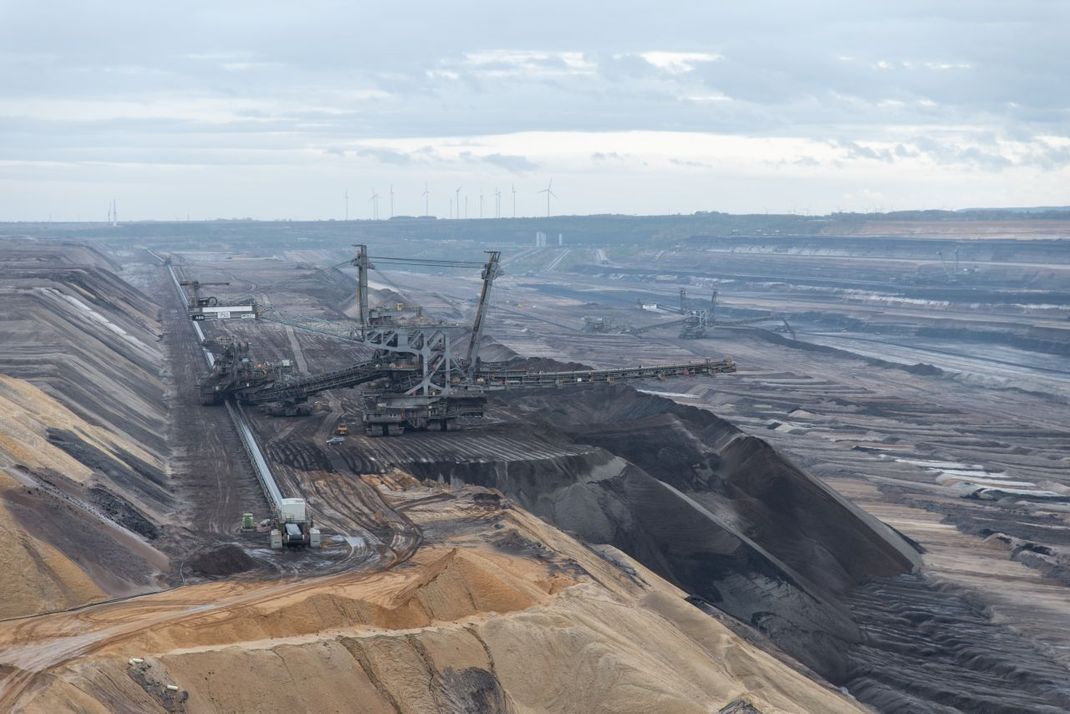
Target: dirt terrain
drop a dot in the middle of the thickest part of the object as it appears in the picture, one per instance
(943, 417)
(438, 601)
(500, 612)
(870, 513)
(83, 485)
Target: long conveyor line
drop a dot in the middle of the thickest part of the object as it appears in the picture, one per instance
(252, 449)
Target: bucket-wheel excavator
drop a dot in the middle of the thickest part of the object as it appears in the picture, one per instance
(421, 380)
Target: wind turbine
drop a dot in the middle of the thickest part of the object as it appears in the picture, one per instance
(549, 192)
(375, 205)
(457, 202)
(391, 200)
(497, 203)
(347, 204)
(427, 200)
(480, 203)
(513, 186)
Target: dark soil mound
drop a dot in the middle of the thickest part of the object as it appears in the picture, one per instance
(228, 559)
(545, 364)
(720, 513)
(925, 369)
(736, 524)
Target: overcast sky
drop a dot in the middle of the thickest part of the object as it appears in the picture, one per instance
(224, 108)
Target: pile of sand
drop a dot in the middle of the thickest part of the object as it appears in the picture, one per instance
(437, 585)
(463, 628)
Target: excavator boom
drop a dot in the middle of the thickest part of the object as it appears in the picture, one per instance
(422, 387)
(490, 271)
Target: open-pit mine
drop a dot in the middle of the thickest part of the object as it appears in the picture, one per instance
(417, 465)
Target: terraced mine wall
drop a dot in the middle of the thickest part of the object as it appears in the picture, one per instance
(919, 645)
(729, 520)
(84, 485)
(716, 512)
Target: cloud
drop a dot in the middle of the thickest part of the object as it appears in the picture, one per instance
(678, 62)
(973, 150)
(386, 156)
(892, 89)
(1049, 157)
(854, 150)
(504, 63)
(905, 152)
(955, 153)
(509, 162)
(688, 163)
(706, 98)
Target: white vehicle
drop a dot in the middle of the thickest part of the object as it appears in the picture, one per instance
(293, 526)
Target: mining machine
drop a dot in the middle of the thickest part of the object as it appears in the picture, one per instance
(696, 318)
(208, 307)
(417, 374)
(293, 527)
(196, 300)
(599, 324)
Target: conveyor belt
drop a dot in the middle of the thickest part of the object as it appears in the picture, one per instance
(511, 379)
(248, 439)
(349, 377)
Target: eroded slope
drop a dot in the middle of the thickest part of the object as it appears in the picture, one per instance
(503, 614)
(83, 473)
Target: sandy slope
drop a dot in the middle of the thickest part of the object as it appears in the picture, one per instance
(28, 415)
(83, 484)
(60, 550)
(506, 614)
(38, 577)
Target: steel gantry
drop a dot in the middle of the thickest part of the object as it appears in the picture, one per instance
(421, 383)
